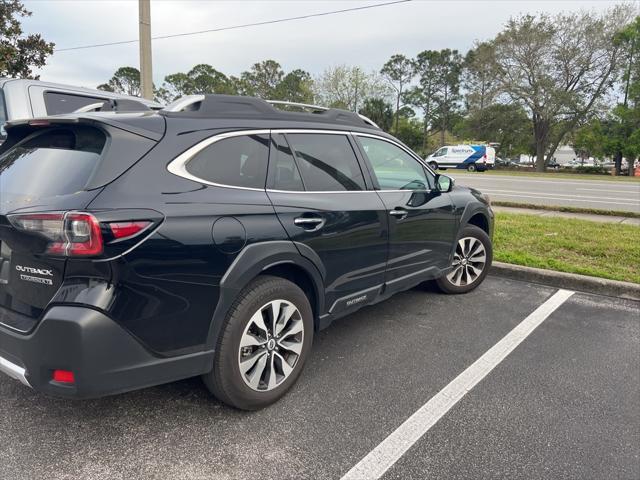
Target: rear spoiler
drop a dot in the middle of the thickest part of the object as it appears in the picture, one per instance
(128, 122)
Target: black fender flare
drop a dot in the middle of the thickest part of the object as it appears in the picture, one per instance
(470, 210)
(250, 262)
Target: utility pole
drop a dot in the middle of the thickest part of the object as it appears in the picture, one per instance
(146, 73)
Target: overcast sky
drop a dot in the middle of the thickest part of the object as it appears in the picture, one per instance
(366, 38)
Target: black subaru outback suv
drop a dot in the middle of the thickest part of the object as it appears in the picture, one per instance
(212, 238)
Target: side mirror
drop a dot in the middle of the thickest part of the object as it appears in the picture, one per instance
(444, 184)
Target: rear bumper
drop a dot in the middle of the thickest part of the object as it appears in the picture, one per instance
(104, 358)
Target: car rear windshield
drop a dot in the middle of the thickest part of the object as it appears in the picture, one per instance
(53, 162)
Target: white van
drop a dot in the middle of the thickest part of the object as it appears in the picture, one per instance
(467, 157)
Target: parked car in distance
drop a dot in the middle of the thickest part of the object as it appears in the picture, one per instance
(503, 162)
(212, 238)
(23, 98)
(552, 164)
(467, 157)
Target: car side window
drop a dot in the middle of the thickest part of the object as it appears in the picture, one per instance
(327, 162)
(59, 103)
(235, 161)
(394, 168)
(283, 171)
(441, 153)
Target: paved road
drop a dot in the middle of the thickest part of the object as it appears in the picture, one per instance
(563, 404)
(603, 194)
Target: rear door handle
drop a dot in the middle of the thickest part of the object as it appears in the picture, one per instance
(399, 212)
(310, 223)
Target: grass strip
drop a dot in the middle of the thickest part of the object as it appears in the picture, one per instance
(568, 245)
(553, 208)
(550, 175)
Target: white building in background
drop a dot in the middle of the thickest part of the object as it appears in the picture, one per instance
(564, 155)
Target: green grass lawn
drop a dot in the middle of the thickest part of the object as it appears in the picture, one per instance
(546, 175)
(567, 245)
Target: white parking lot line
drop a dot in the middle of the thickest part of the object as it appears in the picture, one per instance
(381, 458)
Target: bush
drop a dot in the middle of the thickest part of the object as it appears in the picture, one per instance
(600, 170)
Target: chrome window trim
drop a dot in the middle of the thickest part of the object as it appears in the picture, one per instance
(14, 371)
(177, 166)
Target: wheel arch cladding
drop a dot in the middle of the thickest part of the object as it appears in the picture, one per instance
(279, 258)
(480, 220)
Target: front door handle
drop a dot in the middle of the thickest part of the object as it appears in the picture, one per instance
(400, 213)
(309, 223)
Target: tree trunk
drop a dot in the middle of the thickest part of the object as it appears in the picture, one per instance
(397, 112)
(617, 160)
(540, 130)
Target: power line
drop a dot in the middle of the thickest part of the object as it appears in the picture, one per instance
(234, 27)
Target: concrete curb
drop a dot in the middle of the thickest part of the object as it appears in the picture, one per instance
(571, 281)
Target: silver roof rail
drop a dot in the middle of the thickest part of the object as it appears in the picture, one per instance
(92, 107)
(183, 102)
(299, 105)
(368, 120)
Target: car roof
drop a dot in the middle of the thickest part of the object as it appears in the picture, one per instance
(25, 83)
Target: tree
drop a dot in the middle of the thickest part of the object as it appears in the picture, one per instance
(558, 68)
(261, 80)
(479, 76)
(506, 124)
(125, 80)
(447, 88)
(296, 86)
(438, 91)
(201, 79)
(626, 116)
(347, 87)
(399, 71)
(19, 53)
(380, 112)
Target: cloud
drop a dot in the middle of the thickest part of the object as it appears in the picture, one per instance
(366, 38)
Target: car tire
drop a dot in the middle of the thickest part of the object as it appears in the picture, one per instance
(255, 360)
(471, 167)
(434, 166)
(471, 262)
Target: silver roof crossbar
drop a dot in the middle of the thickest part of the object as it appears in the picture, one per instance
(183, 102)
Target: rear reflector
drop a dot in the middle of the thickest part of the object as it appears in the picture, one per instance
(122, 230)
(63, 376)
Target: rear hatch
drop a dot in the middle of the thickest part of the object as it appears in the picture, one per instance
(48, 170)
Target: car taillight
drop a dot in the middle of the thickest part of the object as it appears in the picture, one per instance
(122, 230)
(71, 234)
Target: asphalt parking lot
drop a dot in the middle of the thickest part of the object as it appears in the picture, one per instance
(604, 194)
(563, 404)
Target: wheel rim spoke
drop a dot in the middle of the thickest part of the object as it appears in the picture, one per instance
(271, 345)
(468, 262)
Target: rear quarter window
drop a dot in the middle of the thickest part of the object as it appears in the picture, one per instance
(53, 162)
(58, 103)
(239, 161)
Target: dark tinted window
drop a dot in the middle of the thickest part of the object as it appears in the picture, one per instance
(237, 161)
(59, 103)
(284, 171)
(394, 168)
(327, 162)
(54, 162)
